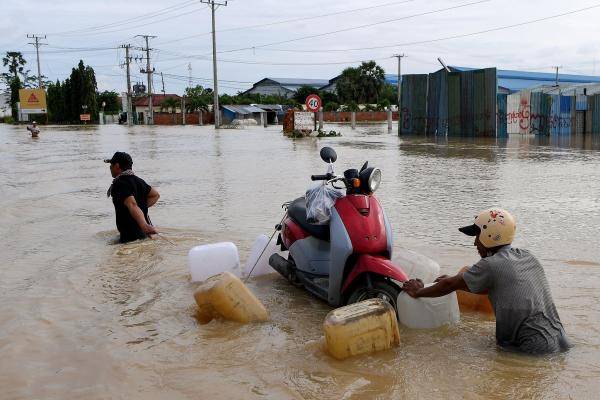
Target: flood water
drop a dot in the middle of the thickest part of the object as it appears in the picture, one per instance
(82, 317)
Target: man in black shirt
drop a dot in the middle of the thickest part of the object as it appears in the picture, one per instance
(132, 197)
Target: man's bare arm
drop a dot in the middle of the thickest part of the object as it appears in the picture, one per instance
(138, 216)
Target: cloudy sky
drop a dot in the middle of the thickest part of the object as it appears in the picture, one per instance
(302, 39)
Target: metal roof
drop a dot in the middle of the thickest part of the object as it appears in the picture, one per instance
(299, 81)
(268, 107)
(519, 80)
(243, 109)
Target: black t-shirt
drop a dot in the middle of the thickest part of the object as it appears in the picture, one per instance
(122, 188)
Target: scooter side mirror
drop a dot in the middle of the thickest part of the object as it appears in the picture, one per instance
(365, 166)
(328, 155)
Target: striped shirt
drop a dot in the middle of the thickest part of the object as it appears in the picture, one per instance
(526, 318)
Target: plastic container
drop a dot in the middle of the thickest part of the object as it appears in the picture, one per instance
(472, 302)
(262, 267)
(212, 259)
(226, 296)
(427, 312)
(415, 265)
(359, 328)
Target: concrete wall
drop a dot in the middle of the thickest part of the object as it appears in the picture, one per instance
(361, 116)
(177, 119)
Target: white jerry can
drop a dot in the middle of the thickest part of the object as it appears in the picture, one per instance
(212, 259)
(427, 312)
(262, 264)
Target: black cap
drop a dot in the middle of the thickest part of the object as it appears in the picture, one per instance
(123, 159)
(471, 230)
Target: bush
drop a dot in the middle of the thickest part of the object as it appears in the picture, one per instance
(331, 106)
(383, 105)
(351, 106)
(7, 120)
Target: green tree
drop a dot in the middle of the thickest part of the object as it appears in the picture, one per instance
(170, 103)
(56, 102)
(303, 92)
(82, 96)
(111, 99)
(363, 85)
(198, 98)
(372, 79)
(12, 79)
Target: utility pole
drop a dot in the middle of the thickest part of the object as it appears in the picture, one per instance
(149, 72)
(212, 4)
(190, 75)
(399, 57)
(129, 105)
(163, 83)
(37, 45)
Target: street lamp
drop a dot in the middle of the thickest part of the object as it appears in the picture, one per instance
(84, 107)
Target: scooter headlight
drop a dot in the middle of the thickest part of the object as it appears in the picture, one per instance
(374, 179)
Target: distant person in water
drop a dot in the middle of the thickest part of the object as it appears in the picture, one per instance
(515, 282)
(35, 131)
(132, 197)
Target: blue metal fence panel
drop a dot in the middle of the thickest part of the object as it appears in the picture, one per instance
(502, 100)
(595, 126)
(581, 102)
(454, 116)
(490, 102)
(414, 104)
(466, 103)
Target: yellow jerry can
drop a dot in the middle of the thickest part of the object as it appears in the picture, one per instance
(359, 328)
(225, 295)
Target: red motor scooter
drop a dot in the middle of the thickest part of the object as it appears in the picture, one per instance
(347, 260)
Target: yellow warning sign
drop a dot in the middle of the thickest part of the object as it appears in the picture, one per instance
(32, 100)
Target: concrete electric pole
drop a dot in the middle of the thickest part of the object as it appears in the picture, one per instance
(37, 45)
(213, 4)
(149, 71)
(162, 79)
(399, 57)
(129, 105)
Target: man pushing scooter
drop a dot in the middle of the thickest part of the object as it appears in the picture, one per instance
(515, 282)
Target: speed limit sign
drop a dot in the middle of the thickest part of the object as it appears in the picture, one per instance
(313, 103)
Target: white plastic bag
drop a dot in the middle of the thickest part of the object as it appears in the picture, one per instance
(319, 201)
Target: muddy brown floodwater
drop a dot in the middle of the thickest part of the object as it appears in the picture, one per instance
(83, 318)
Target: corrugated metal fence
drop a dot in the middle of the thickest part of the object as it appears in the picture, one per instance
(454, 104)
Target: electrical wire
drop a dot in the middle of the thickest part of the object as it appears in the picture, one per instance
(165, 10)
(499, 28)
(286, 21)
(387, 21)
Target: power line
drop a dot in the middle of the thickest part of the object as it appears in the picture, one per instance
(174, 7)
(286, 21)
(128, 28)
(499, 28)
(356, 27)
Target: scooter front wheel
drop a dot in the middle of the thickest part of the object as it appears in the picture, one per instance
(380, 288)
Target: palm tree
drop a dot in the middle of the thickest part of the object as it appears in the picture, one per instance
(169, 103)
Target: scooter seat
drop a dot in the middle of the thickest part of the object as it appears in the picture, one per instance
(297, 211)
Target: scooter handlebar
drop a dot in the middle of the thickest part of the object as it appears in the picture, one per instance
(320, 177)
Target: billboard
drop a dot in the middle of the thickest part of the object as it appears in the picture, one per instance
(33, 101)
